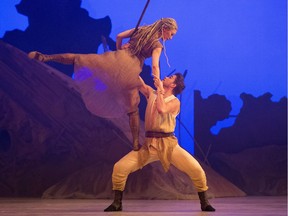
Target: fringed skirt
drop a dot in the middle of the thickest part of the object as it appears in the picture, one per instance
(109, 82)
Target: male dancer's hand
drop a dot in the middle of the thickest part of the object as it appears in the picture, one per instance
(158, 83)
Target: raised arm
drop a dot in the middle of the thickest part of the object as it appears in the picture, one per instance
(145, 89)
(121, 36)
(155, 62)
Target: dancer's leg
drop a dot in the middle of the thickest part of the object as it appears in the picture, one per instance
(185, 162)
(65, 58)
(134, 123)
(134, 120)
(126, 165)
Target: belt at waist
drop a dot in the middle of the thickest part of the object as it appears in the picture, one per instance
(158, 134)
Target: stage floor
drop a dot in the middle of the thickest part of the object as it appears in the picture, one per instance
(234, 206)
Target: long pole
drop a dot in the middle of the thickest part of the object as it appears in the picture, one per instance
(141, 17)
(179, 116)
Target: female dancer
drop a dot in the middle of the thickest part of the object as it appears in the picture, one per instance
(109, 82)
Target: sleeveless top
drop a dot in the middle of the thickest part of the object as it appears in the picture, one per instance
(157, 122)
(154, 121)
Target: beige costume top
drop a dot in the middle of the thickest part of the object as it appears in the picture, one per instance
(109, 82)
(156, 122)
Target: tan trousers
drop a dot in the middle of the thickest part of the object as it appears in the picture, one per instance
(181, 159)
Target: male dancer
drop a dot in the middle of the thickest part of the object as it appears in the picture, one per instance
(160, 142)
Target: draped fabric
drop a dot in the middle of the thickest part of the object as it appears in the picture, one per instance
(109, 82)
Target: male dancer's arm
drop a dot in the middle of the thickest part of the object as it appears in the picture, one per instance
(145, 89)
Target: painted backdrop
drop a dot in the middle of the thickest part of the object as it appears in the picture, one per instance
(227, 46)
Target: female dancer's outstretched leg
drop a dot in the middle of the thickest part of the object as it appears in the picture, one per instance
(132, 96)
(66, 58)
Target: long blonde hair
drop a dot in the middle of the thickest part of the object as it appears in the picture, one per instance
(147, 35)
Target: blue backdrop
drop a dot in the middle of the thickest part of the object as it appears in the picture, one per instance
(227, 46)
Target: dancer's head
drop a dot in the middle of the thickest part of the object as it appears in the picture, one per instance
(180, 85)
(174, 82)
(164, 28)
(169, 28)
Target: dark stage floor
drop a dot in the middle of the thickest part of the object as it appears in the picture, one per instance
(235, 206)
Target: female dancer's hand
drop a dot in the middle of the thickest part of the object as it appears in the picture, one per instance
(125, 46)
